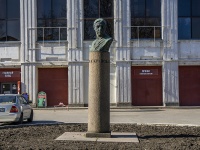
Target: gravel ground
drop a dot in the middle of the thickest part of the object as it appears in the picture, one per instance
(42, 137)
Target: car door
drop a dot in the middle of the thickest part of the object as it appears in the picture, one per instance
(25, 107)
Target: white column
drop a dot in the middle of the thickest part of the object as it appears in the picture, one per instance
(170, 53)
(123, 64)
(28, 39)
(75, 71)
(123, 79)
(171, 84)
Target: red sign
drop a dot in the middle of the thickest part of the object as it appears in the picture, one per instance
(9, 74)
(145, 72)
(41, 96)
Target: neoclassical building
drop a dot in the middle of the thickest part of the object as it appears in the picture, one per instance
(155, 54)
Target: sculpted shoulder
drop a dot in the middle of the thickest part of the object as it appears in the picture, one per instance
(101, 44)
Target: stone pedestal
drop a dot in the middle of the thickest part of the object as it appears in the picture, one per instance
(99, 95)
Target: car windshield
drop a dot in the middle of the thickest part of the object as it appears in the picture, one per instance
(7, 99)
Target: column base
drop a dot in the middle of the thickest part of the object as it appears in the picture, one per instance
(124, 104)
(77, 105)
(171, 104)
(98, 135)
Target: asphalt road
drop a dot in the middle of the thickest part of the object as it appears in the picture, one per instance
(140, 116)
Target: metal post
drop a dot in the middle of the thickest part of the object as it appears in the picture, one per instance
(138, 36)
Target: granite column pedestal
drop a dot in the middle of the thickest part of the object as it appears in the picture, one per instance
(99, 95)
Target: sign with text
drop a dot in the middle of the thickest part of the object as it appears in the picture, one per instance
(9, 74)
(146, 72)
(42, 99)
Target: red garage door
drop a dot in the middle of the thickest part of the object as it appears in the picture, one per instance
(189, 85)
(54, 81)
(147, 86)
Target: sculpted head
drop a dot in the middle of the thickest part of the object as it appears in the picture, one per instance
(100, 27)
(103, 41)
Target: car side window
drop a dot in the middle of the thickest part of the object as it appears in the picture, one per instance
(22, 100)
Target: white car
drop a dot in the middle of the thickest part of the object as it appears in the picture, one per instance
(14, 108)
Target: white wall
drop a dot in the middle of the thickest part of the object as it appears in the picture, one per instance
(189, 49)
(10, 52)
(52, 52)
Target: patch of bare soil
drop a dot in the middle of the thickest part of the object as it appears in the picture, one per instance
(151, 137)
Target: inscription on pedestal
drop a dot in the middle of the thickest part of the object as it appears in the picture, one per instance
(99, 61)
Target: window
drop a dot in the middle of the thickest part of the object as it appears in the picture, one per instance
(188, 19)
(145, 19)
(9, 20)
(51, 16)
(94, 9)
(7, 99)
(22, 100)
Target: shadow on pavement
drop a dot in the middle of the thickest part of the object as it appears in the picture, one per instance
(46, 122)
(25, 123)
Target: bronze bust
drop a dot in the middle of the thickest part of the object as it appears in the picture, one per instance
(103, 41)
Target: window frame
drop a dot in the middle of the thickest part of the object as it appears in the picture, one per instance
(6, 21)
(191, 17)
(110, 19)
(145, 18)
(51, 25)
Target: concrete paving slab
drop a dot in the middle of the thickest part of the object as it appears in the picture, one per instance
(115, 137)
(120, 137)
(75, 136)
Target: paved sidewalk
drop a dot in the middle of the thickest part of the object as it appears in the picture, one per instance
(140, 116)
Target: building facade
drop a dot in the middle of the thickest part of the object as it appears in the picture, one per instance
(155, 56)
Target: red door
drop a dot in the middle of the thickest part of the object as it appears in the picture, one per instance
(147, 86)
(54, 81)
(189, 85)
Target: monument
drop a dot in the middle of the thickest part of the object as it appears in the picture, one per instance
(99, 94)
(99, 83)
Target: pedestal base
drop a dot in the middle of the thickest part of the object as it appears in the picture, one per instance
(98, 135)
(115, 137)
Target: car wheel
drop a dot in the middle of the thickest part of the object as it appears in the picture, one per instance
(31, 117)
(20, 119)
